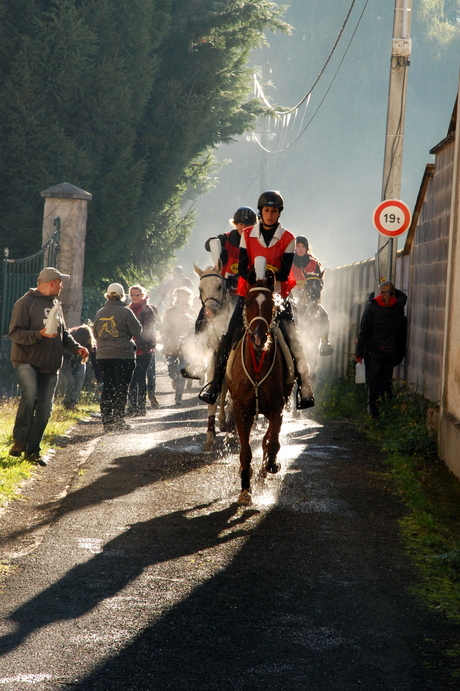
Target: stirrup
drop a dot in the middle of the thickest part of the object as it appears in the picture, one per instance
(326, 349)
(209, 393)
(303, 403)
(187, 375)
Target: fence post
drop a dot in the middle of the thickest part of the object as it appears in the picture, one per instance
(70, 203)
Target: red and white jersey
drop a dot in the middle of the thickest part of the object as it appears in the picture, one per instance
(282, 242)
(230, 267)
(313, 268)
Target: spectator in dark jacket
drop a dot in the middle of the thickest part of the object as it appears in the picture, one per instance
(381, 342)
(72, 374)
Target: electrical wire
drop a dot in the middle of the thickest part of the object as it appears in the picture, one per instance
(324, 97)
(291, 110)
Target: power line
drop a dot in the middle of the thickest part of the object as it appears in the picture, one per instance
(324, 97)
(290, 110)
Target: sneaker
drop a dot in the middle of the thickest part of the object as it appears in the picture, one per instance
(35, 458)
(18, 448)
(153, 401)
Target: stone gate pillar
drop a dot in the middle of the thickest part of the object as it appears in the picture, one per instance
(70, 204)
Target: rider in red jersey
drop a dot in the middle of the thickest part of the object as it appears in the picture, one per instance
(267, 238)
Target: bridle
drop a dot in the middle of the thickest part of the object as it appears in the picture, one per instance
(247, 325)
(211, 297)
(248, 332)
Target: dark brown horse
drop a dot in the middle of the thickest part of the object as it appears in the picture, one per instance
(258, 379)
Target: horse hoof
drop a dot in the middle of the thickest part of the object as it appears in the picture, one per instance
(274, 468)
(245, 498)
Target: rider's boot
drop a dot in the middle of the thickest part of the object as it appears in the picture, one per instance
(305, 398)
(210, 393)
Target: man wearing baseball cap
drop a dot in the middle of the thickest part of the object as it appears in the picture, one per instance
(36, 355)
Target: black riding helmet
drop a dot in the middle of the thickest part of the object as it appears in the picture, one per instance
(270, 198)
(245, 215)
(302, 240)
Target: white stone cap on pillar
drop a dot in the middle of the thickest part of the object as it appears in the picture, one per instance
(66, 191)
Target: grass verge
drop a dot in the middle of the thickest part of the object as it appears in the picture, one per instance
(431, 493)
(13, 471)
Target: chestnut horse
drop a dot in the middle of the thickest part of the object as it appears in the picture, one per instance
(217, 307)
(258, 379)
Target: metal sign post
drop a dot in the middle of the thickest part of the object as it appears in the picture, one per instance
(392, 166)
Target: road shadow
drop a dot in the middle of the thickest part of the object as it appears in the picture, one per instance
(317, 599)
(121, 561)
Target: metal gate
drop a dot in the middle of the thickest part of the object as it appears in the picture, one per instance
(17, 276)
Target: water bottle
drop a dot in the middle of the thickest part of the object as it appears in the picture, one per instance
(360, 373)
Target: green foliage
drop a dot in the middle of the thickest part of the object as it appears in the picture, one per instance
(442, 21)
(431, 527)
(126, 100)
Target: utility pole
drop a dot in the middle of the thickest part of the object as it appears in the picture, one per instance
(392, 166)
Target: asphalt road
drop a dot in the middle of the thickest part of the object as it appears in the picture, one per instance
(132, 567)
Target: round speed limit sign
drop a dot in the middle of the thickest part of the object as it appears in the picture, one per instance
(392, 217)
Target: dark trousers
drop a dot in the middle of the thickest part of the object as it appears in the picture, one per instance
(138, 388)
(116, 377)
(152, 376)
(379, 373)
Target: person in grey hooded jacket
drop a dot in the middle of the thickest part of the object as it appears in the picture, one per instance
(114, 328)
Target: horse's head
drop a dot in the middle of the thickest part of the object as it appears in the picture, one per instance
(313, 287)
(259, 308)
(212, 289)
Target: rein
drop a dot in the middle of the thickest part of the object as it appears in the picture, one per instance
(257, 366)
(224, 292)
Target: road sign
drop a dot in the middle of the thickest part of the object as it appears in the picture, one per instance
(392, 217)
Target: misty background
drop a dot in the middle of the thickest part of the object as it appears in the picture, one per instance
(331, 177)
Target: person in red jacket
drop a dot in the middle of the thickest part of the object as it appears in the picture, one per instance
(229, 254)
(267, 238)
(304, 263)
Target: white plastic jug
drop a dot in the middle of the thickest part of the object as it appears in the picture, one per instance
(53, 319)
(360, 373)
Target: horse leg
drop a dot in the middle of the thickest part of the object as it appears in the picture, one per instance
(244, 430)
(271, 445)
(211, 431)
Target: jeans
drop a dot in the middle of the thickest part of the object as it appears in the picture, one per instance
(73, 376)
(34, 407)
(175, 364)
(138, 387)
(116, 377)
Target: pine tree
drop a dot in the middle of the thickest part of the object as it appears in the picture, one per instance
(124, 98)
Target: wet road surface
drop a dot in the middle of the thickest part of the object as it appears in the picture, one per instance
(150, 577)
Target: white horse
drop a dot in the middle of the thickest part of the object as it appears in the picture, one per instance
(217, 308)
